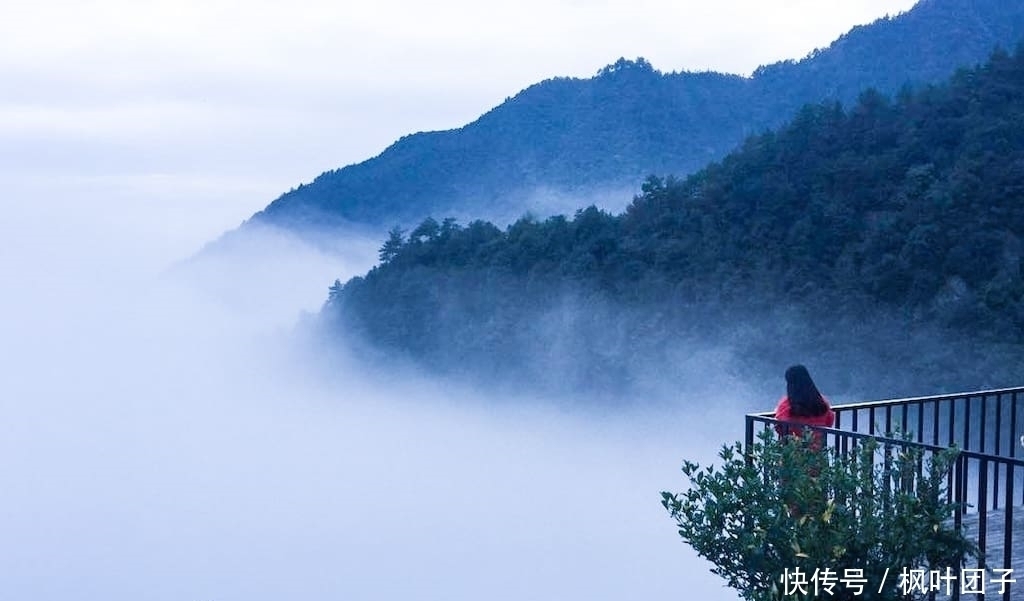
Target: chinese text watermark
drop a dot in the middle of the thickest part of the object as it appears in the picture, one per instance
(825, 581)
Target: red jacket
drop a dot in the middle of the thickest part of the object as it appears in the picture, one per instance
(782, 413)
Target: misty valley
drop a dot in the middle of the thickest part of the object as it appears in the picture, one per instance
(467, 367)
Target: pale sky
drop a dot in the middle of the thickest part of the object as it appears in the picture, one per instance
(235, 102)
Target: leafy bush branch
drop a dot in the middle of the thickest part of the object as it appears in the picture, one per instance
(784, 505)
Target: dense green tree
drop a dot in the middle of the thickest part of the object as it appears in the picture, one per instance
(909, 207)
(426, 231)
(758, 518)
(393, 245)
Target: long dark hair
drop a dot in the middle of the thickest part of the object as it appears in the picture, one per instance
(804, 398)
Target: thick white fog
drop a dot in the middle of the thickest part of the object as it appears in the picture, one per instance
(163, 436)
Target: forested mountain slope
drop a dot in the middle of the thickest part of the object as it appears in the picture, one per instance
(882, 243)
(630, 121)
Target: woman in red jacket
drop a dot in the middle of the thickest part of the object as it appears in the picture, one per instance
(803, 404)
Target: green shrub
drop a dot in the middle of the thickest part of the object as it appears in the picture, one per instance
(785, 506)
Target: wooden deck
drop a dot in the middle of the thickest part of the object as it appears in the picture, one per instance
(994, 533)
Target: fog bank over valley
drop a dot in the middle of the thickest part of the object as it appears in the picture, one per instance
(166, 436)
(359, 388)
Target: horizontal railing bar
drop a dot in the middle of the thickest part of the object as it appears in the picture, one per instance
(910, 400)
(1015, 461)
(847, 433)
(998, 458)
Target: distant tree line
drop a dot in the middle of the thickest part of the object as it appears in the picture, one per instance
(912, 206)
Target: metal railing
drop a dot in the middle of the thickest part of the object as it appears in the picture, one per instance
(987, 477)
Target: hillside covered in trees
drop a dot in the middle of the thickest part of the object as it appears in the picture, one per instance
(574, 137)
(880, 243)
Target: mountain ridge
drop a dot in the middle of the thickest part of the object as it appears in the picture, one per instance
(631, 120)
(889, 236)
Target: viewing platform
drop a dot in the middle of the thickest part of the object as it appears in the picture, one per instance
(985, 482)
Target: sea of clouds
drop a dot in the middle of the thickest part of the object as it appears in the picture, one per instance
(166, 435)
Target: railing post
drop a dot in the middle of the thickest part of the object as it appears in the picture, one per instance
(982, 510)
(958, 494)
(748, 439)
(958, 511)
(998, 449)
(920, 422)
(1008, 526)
